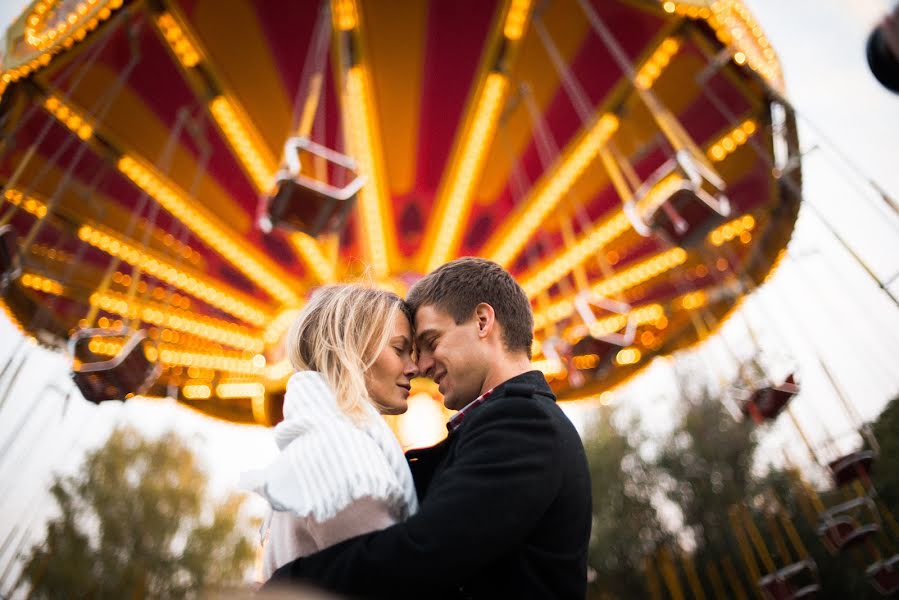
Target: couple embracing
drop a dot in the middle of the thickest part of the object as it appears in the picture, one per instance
(499, 509)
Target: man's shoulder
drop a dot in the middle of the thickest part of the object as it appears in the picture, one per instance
(520, 401)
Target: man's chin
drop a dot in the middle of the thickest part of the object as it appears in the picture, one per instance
(450, 402)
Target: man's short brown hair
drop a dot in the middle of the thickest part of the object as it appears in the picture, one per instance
(459, 286)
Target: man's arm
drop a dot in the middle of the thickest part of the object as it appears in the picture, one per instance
(503, 479)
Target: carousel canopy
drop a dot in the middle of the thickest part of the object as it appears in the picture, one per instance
(179, 175)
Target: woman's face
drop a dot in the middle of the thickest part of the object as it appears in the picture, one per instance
(388, 379)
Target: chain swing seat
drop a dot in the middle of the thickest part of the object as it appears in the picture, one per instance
(766, 403)
(884, 575)
(302, 202)
(798, 580)
(593, 353)
(857, 465)
(130, 372)
(694, 206)
(10, 268)
(841, 529)
(591, 356)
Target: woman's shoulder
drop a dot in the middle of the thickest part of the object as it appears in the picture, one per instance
(326, 468)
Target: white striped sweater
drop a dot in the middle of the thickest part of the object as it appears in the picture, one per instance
(327, 462)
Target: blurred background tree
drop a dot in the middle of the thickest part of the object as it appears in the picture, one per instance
(662, 510)
(626, 524)
(136, 522)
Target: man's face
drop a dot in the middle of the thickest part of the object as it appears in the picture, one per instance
(450, 354)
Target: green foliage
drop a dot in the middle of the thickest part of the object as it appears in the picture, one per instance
(708, 466)
(626, 526)
(886, 471)
(135, 522)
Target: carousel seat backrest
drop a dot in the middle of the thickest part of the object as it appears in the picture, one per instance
(130, 372)
(884, 575)
(842, 533)
(305, 198)
(9, 267)
(851, 467)
(694, 206)
(767, 402)
(797, 580)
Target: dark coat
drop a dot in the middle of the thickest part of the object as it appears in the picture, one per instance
(505, 512)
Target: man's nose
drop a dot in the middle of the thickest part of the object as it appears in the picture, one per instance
(411, 369)
(425, 366)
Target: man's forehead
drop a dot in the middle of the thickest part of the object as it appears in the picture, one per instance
(430, 319)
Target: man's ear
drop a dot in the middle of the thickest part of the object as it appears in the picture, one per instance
(485, 318)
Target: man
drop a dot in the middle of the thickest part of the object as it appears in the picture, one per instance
(505, 499)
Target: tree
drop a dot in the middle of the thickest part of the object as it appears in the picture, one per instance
(886, 471)
(626, 525)
(706, 467)
(135, 522)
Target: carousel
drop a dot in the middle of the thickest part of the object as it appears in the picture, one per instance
(177, 178)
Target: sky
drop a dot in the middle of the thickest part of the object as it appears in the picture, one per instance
(818, 307)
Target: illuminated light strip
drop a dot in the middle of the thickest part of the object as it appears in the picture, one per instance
(731, 229)
(650, 313)
(623, 280)
(172, 356)
(508, 241)
(345, 16)
(243, 389)
(42, 284)
(628, 356)
(31, 204)
(734, 25)
(616, 224)
(279, 371)
(597, 238)
(179, 320)
(516, 19)
(44, 9)
(375, 210)
(196, 391)
(158, 267)
(692, 300)
(260, 415)
(217, 236)
(732, 140)
(548, 367)
(178, 40)
(245, 142)
(84, 18)
(656, 63)
(68, 116)
(180, 358)
(311, 251)
(448, 220)
(279, 325)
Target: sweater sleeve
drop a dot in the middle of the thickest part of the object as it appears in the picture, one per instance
(327, 469)
(492, 496)
(291, 537)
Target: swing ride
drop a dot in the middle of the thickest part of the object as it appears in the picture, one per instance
(177, 178)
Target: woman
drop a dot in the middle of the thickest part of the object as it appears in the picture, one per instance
(341, 471)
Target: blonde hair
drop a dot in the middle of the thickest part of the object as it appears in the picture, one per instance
(340, 333)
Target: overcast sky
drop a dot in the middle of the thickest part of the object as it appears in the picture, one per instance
(818, 306)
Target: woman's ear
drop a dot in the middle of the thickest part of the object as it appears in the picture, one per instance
(486, 319)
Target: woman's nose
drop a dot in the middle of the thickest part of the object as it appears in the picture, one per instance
(411, 369)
